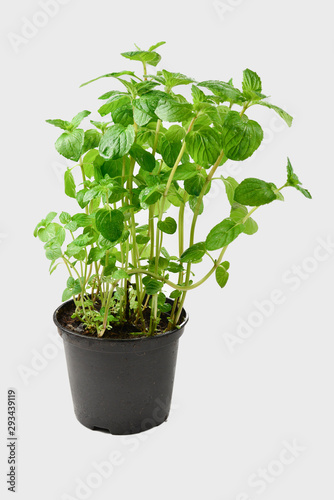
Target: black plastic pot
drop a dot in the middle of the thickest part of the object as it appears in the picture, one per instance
(121, 386)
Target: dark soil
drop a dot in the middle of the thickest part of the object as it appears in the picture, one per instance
(125, 331)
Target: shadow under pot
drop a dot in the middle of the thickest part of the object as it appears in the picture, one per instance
(121, 386)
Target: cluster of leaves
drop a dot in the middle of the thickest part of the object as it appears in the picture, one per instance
(154, 150)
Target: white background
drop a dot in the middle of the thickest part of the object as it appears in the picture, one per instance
(235, 407)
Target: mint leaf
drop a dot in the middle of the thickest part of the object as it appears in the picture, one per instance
(175, 79)
(283, 114)
(194, 253)
(79, 117)
(63, 124)
(183, 172)
(167, 226)
(145, 56)
(254, 192)
(123, 115)
(204, 146)
(226, 91)
(251, 81)
(145, 159)
(195, 184)
(223, 234)
(304, 191)
(238, 212)
(69, 184)
(152, 286)
(91, 140)
(113, 75)
(293, 181)
(251, 226)
(115, 102)
(230, 186)
(117, 141)
(70, 144)
(172, 111)
(169, 151)
(241, 136)
(292, 177)
(175, 133)
(153, 47)
(193, 201)
(222, 275)
(110, 223)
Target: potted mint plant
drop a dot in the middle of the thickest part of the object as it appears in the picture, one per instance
(151, 150)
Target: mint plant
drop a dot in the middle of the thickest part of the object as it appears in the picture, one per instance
(154, 150)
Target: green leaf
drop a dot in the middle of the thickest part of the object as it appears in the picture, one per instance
(294, 181)
(91, 140)
(173, 267)
(150, 195)
(251, 226)
(175, 79)
(251, 81)
(70, 144)
(153, 47)
(254, 192)
(67, 294)
(194, 253)
(88, 162)
(73, 288)
(241, 137)
(198, 95)
(183, 172)
(172, 111)
(83, 220)
(69, 184)
(145, 159)
(193, 200)
(283, 114)
(63, 124)
(113, 75)
(230, 186)
(238, 212)
(95, 255)
(110, 223)
(142, 111)
(116, 101)
(152, 286)
(175, 133)
(117, 141)
(304, 191)
(226, 91)
(223, 234)
(53, 233)
(119, 274)
(162, 304)
(44, 222)
(123, 115)
(146, 56)
(221, 275)
(195, 184)
(168, 226)
(79, 117)
(204, 146)
(53, 251)
(141, 239)
(292, 177)
(175, 294)
(169, 151)
(65, 218)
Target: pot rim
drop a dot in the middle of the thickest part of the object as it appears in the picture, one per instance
(148, 338)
